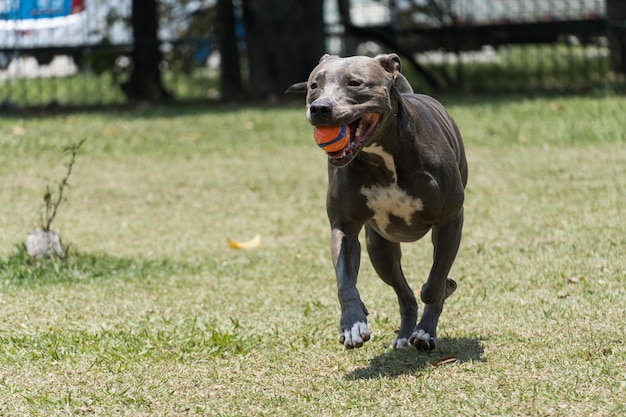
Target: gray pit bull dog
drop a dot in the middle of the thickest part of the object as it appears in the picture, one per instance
(402, 174)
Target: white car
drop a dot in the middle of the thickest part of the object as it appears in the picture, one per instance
(44, 28)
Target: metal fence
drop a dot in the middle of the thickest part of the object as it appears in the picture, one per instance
(75, 52)
(487, 45)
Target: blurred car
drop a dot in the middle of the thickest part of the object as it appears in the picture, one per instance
(33, 25)
(45, 28)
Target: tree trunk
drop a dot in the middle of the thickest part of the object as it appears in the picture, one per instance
(285, 39)
(144, 82)
(616, 13)
(230, 70)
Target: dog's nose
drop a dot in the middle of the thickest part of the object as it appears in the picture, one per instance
(321, 107)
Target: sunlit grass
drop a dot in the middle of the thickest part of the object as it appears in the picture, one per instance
(152, 314)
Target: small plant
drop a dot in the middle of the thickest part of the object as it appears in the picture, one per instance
(51, 207)
(45, 243)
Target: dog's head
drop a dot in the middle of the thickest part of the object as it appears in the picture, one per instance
(356, 92)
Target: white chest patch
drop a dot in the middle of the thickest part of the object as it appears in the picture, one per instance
(389, 200)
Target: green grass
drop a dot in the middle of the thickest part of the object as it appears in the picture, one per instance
(80, 89)
(152, 314)
(526, 68)
(91, 88)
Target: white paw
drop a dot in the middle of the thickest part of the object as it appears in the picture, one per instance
(356, 336)
(421, 335)
(400, 344)
(422, 340)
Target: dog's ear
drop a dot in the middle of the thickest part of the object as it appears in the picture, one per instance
(302, 87)
(390, 62)
(297, 88)
(327, 57)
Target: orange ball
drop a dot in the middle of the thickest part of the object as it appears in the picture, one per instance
(331, 138)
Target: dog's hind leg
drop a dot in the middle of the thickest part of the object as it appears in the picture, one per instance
(385, 257)
(446, 239)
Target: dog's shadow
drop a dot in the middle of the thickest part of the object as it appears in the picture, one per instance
(394, 363)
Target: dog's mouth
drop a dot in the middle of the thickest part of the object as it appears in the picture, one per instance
(361, 130)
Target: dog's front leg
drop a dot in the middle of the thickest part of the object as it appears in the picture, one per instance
(346, 255)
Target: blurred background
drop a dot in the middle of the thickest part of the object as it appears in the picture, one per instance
(65, 53)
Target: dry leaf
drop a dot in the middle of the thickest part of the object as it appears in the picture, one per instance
(249, 244)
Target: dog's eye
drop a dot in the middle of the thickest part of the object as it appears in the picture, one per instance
(313, 86)
(354, 83)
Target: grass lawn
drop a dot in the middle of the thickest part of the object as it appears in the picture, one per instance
(154, 315)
